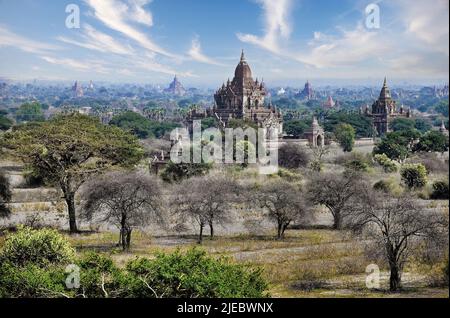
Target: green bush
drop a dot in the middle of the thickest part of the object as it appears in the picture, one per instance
(384, 186)
(41, 248)
(196, 275)
(387, 164)
(32, 281)
(440, 191)
(414, 175)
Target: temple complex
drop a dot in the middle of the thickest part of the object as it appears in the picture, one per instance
(175, 88)
(243, 98)
(307, 93)
(384, 110)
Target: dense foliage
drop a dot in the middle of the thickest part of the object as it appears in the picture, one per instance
(175, 172)
(36, 247)
(362, 124)
(190, 275)
(30, 112)
(141, 126)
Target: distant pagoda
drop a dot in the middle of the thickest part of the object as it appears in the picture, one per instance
(77, 90)
(242, 98)
(330, 103)
(384, 110)
(175, 88)
(307, 93)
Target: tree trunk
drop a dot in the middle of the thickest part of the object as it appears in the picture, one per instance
(211, 229)
(128, 241)
(70, 201)
(279, 230)
(337, 224)
(200, 236)
(395, 278)
(283, 229)
(123, 235)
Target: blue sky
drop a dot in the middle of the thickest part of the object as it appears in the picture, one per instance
(286, 41)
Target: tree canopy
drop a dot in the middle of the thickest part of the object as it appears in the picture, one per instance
(69, 149)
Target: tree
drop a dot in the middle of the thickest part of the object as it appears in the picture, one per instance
(30, 112)
(396, 226)
(400, 124)
(345, 135)
(5, 196)
(69, 149)
(336, 192)
(176, 172)
(394, 146)
(205, 200)
(433, 141)
(292, 156)
(318, 154)
(124, 199)
(414, 175)
(362, 124)
(140, 126)
(296, 128)
(5, 122)
(283, 202)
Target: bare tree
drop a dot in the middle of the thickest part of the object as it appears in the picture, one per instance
(206, 200)
(318, 154)
(397, 226)
(283, 202)
(292, 156)
(335, 191)
(124, 199)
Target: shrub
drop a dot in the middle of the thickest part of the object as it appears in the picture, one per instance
(37, 247)
(387, 164)
(194, 275)
(32, 281)
(440, 191)
(414, 175)
(384, 186)
(178, 172)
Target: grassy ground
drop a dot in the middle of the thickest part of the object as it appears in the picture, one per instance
(308, 263)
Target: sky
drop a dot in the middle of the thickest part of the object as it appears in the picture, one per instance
(286, 42)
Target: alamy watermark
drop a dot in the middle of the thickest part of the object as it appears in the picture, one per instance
(373, 18)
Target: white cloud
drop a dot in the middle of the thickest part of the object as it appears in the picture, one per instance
(413, 40)
(98, 41)
(196, 54)
(84, 66)
(118, 16)
(8, 38)
(277, 25)
(350, 47)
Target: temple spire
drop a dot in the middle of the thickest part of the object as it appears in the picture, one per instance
(242, 56)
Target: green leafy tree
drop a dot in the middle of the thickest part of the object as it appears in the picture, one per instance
(30, 112)
(400, 124)
(345, 135)
(394, 145)
(433, 141)
(414, 175)
(296, 128)
(67, 150)
(5, 122)
(362, 124)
